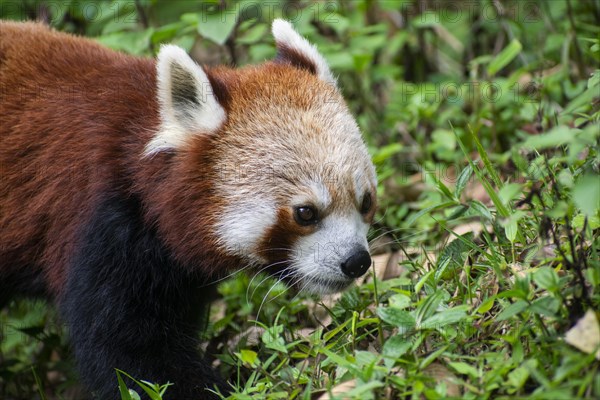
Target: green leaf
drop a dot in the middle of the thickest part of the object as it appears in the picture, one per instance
(594, 79)
(365, 358)
(123, 390)
(491, 170)
(583, 100)
(399, 318)
(446, 317)
(428, 306)
(486, 305)
(440, 270)
(341, 61)
(565, 178)
(248, 357)
(134, 395)
(512, 310)
(458, 212)
(421, 282)
(511, 225)
(426, 20)
(394, 348)
(481, 209)
(546, 278)
(273, 340)
(364, 390)
(509, 192)
(219, 25)
(510, 230)
(453, 255)
(167, 32)
(151, 389)
(557, 136)
(411, 220)
(462, 180)
(560, 210)
(339, 360)
(547, 305)
(253, 34)
(136, 42)
(579, 221)
(504, 57)
(335, 331)
(502, 210)
(399, 301)
(431, 173)
(586, 194)
(443, 188)
(386, 152)
(519, 376)
(464, 369)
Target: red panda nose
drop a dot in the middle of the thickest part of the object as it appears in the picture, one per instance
(357, 264)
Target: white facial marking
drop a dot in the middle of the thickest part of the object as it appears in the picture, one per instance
(322, 195)
(187, 103)
(317, 194)
(359, 186)
(285, 34)
(243, 224)
(363, 183)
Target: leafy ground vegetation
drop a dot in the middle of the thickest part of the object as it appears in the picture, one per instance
(483, 120)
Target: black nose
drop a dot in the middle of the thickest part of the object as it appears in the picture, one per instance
(357, 264)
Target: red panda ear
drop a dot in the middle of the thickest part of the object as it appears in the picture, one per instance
(188, 105)
(295, 50)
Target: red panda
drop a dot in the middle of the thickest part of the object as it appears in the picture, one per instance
(129, 185)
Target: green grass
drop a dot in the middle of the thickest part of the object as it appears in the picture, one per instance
(485, 131)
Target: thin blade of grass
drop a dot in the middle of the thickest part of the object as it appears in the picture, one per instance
(502, 210)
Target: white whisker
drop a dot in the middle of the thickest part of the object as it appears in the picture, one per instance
(228, 275)
(267, 295)
(258, 273)
(387, 232)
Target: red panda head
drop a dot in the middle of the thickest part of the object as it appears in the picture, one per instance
(290, 183)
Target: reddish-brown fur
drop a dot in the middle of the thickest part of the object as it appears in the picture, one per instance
(86, 210)
(55, 159)
(74, 128)
(73, 133)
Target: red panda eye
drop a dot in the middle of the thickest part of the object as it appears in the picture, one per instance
(306, 215)
(367, 202)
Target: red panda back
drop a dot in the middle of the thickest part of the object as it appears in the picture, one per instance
(72, 114)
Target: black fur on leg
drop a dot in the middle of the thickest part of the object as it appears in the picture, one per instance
(130, 306)
(21, 281)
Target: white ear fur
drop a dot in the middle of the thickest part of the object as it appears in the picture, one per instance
(187, 103)
(287, 38)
